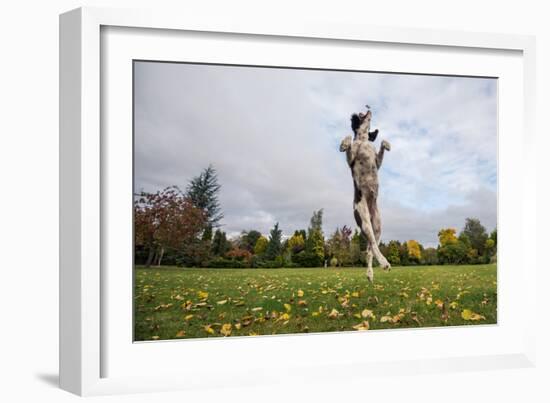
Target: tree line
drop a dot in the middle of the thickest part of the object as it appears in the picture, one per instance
(176, 227)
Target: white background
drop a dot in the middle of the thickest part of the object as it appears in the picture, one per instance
(29, 155)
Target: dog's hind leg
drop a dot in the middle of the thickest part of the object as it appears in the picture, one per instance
(363, 218)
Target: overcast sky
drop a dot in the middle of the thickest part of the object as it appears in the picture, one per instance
(273, 136)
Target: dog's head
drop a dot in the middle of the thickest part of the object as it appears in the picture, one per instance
(361, 122)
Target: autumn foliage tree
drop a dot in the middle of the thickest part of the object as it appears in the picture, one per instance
(413, 249)
(166, 220)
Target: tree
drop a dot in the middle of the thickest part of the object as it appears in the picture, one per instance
(429, 256)
(393, 254)
(315, 242)
(404, 254)
(447, 236)
(493, 236)
(477, 234)
(301, 232)
(203, 192)
(220, 245)
(248, 239)
(274, 246)
(413, 248)
(339, 246)
(355, 251)
(166, 220)
(446, 250)
(453, 250)
(261, 245)
(296, 243)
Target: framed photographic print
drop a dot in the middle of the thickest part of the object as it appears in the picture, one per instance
(290, 196)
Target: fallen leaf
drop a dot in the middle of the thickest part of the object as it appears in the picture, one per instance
(258, 308)
(302, 302)
(355, 294)
(208, 329)
(163, 306)
(288, 307)
(155, 337)
(333, 314)
(284, 316)
(247, 320)
(300, 293)
(367, 313)
(222, 302)
(202, 294)
(469, 315)
(362, 326)
(189, 317)
(226, 329)
(181, 333)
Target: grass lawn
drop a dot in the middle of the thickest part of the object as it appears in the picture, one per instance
(172, 303)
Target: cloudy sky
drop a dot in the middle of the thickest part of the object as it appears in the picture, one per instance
(273, 136)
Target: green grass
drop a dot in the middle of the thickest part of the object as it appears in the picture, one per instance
(255, 299)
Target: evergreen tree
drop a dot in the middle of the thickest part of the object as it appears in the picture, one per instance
(220, 246)
(315, 243)
(274, 246)
(203, 192)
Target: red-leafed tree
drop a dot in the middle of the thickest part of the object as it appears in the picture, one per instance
(166, 220)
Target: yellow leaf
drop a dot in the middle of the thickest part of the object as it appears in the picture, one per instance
(439, 303)
(315, 314)
(302, 303)
(202, 294)
(367, 313)
(188, 317)
(238, 326)
(258, 308)
(252, 334)
(181, 333)
(355, 294)
(466, 314)
(385, 318)
(300, 293)
(208, 329)
(453, 305)
(333, 314)
(284, 316)
(226, 329)
(469, 315)
(155, 337)
(288, 307)
(362, 326)
(222, 302)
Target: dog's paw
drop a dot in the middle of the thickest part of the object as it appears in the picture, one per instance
(345, 144)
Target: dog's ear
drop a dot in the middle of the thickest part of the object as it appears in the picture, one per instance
(355, 122)
(372, 135)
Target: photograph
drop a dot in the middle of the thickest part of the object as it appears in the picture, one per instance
(272, 200)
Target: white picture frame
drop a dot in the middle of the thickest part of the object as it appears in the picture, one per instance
(87, 177)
